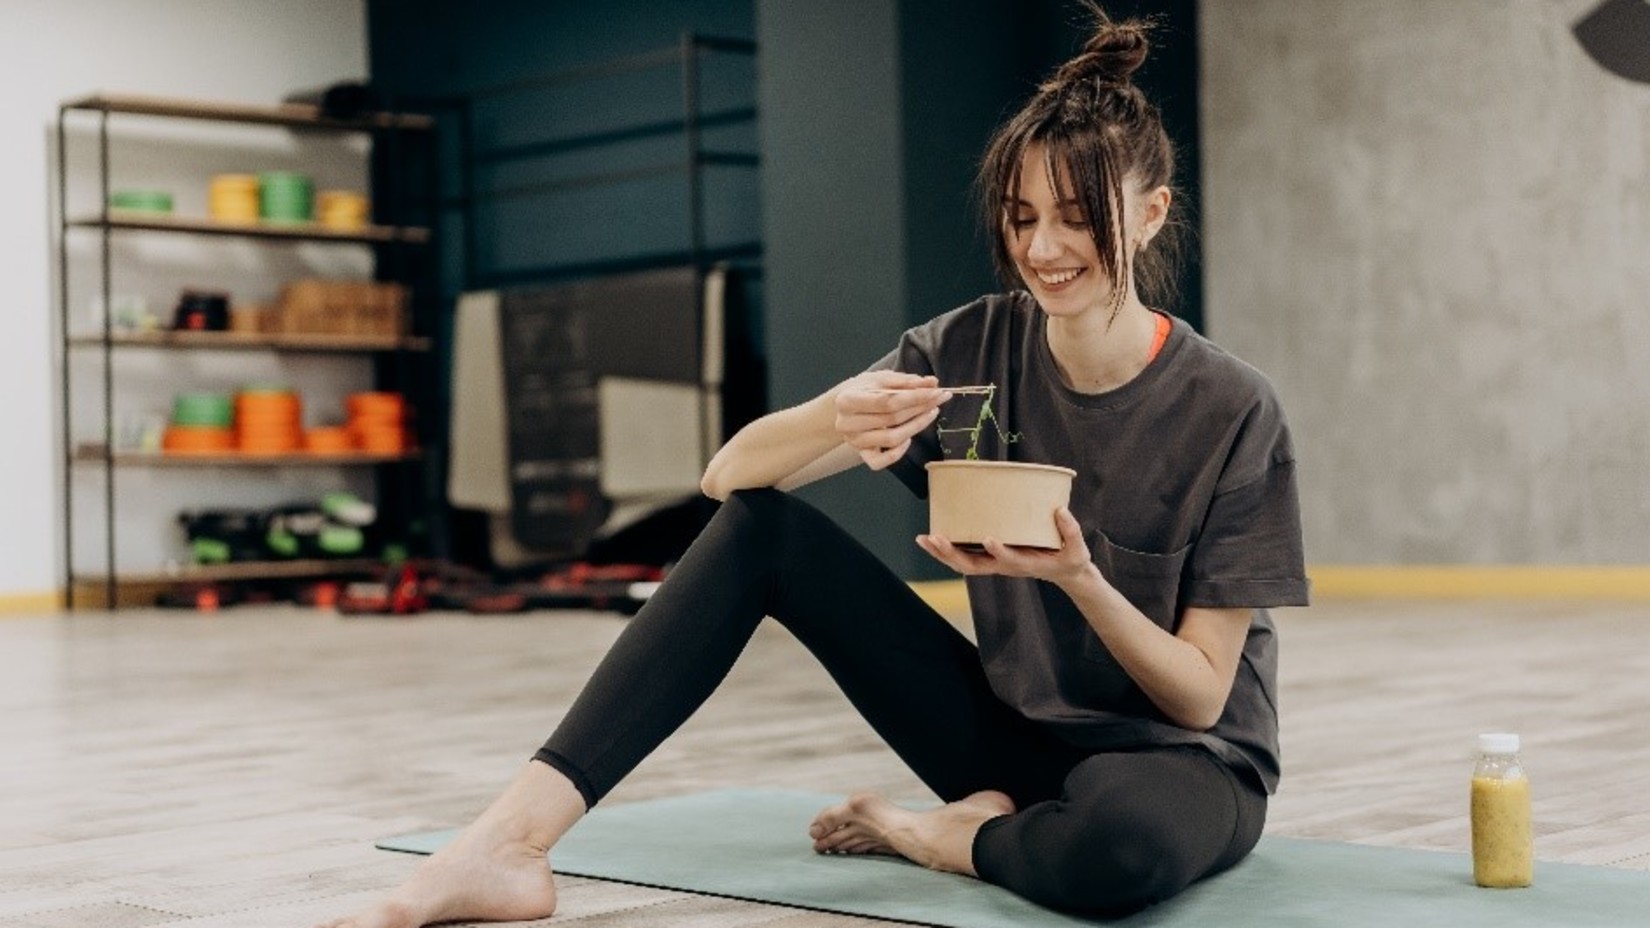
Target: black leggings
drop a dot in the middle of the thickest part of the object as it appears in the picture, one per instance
(1108, 832)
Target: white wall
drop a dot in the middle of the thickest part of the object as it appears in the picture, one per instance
(1430, 224)
(237, 50)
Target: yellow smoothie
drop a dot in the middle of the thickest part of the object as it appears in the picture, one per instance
(1502, 846)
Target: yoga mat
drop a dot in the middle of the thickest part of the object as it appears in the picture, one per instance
(753, 844)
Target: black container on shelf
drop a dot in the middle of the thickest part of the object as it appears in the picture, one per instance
(202, 311)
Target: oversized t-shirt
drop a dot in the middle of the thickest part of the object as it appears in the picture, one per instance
(1185, 491)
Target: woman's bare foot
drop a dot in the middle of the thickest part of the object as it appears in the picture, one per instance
(467, 880)
(496, 870)
(940, 839)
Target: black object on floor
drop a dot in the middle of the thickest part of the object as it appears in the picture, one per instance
(1616, 34)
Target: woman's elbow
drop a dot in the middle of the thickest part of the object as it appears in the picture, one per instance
(1200, 724)
(1201, 718)
(712, 485)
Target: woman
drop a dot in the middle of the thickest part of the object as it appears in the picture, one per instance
(1113, 738)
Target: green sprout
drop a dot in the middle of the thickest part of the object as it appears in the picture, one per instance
(986, 414)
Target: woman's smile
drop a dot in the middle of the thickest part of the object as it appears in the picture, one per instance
(1055, 280)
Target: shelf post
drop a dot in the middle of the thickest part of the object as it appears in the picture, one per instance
(67, 447)
(111, 584)
(696, 208)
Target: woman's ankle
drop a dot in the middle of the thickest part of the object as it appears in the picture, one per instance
(537, 808)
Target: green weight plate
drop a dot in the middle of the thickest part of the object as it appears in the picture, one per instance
(210, 550)
(269, 179)
(149, 201)
(340, 539)
(207, 409)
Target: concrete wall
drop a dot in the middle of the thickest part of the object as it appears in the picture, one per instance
(1430, 224)
(241, 51)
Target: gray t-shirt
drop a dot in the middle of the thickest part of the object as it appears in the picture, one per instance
(1185, 490)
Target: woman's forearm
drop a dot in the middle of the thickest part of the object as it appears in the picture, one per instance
(1179, 677)
(772, 448)
(869, 417)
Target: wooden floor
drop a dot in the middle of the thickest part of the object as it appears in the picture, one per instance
(233, 770)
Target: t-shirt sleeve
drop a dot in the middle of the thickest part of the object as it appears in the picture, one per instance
(914, 355)
(1249, 553)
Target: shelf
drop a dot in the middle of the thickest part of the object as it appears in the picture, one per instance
(295, 115)
(383, 142)
(238, 341)
(295, 232)
(246, 570)
(97, 454)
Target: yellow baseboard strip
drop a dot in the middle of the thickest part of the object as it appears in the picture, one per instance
(24, 604)
(1329, 581)
(948, 597)
(1343, 581)
(1501, 581)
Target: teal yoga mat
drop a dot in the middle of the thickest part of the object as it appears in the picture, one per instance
(753, 844)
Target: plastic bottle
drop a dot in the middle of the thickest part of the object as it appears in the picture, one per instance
(1502, 846)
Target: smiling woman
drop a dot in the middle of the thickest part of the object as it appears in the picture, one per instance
(1112, 738)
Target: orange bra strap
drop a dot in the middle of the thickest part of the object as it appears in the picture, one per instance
(1164, 326)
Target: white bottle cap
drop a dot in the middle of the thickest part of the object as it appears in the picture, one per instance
(1498, 744)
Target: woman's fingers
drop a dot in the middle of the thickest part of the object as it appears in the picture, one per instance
(872, 439)
(879, 458)
(879, 412)
(895, 380)
(953, 557)
(887, 405)
(866, 421)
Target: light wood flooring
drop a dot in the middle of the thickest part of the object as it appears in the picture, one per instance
(233, 770)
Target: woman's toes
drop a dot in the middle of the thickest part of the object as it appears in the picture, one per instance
(832, 841)
(865, 805)
(857, 846)
(829, 820)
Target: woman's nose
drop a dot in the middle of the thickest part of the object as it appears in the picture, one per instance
(1042, 246)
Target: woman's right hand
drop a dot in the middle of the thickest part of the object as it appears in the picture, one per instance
(878, 412)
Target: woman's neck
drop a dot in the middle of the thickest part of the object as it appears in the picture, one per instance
(1094, 356)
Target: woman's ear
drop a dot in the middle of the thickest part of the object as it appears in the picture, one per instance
(1154, 212)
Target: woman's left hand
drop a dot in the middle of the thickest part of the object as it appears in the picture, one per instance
(1068, 564)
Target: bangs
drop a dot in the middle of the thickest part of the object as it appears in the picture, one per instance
(1081, 169)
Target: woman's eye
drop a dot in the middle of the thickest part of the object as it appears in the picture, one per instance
(1020, 222)
(1075, 221)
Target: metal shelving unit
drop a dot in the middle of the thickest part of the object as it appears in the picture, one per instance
(388, 241)
(100, 454)
(237, 341)
(263, 570)
(295, 232)
(662, 141)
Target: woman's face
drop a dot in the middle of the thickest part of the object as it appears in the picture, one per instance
(1053, 247)
(1051, 244)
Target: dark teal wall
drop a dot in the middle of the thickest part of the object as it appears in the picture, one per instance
(441, 46)
(602, 124)
(833, 226)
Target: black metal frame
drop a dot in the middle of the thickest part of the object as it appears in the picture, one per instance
(685, 54)
(388, 126)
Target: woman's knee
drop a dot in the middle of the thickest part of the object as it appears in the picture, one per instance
(1116, 875)
(746, 514)
(772, 514)
(1065, 859)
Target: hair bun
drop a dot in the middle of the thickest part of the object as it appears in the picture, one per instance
(1111, 56)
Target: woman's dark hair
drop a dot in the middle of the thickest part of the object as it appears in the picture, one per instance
(1099, 126)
